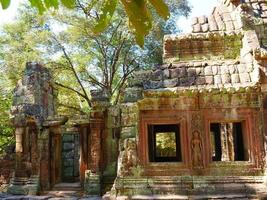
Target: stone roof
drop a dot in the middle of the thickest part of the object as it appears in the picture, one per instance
(225, 51)
(228, 16)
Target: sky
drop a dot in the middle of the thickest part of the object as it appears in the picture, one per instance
(199, 7)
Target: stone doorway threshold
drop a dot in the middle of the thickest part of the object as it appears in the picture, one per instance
(66, 190)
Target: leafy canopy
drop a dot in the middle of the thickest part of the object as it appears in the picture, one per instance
(138, 12)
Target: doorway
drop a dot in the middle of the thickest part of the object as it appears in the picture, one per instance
(70, 157)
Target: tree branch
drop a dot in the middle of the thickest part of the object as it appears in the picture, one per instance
(73, 70)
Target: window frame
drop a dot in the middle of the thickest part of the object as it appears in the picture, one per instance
(244, 115)
(152, 143)
(167, 117)
(244, 142)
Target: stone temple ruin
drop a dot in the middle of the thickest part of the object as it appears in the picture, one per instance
(193, 126)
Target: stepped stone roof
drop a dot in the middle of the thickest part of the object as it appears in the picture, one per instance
(226, 50)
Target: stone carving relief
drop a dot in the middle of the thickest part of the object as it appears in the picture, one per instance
(197, 148)
(127, 158)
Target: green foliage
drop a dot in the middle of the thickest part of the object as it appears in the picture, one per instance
(140, 21)
(80, 60)
(5, 3)
(6, 130)
(107, 12)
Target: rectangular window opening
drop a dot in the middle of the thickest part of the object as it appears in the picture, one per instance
(164, 143)
(227, 142)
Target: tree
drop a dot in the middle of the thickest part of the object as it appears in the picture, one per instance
(6, 131)
(139, 15)
(79, 59)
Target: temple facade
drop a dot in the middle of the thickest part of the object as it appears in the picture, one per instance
(195, 125)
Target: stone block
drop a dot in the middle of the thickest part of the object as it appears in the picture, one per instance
(217, 79)
(200, 71)
(224, 69)
(255, 75)
(229, 26)
(128, 132)
(68, 138)
(212, 23)
(133, 94)
(152, 84)
(168, 83)
(209, 80)
(69, 154)
(68, 146)
(241, 68)
(232, 69)
(244, 77)
(235, 78)
(219, 22)
(202, 19)
(200, 80)
(183, 72)
(226, 78)
(247, 58)
(183, 81)
(157, 75)
(128, 119)
(142, 74)
(191, 72)
(17, 190)
(196, 28)
(205, 27)
(208, 71)
(92, 184)
(175, 73)
(194, 20)
(166, 74)
(68, 162)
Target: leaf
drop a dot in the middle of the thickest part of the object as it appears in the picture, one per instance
(5, 3)
(107, 12)
(139, 18)
(51, 3)
(161, 8)
(39, 5)
(68, 3)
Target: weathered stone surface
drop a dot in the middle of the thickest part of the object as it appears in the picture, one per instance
(244, 78)
(226, 78)
(208, 71)
(203, 19)
(170, 82)
(235, 78)
(217, 79)
(209, 80)
(152, 84)
(33, 96)
(133, 94)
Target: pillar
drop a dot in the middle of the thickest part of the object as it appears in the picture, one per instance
(19, 133)
(55, 146)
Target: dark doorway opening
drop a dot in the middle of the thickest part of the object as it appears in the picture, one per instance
(164, 143)
(227, 142)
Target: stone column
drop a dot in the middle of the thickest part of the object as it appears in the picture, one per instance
(227, 142)
(43, 143)
(92, 184)
(224, 142)
(52, 142)
(19, 132)
(230, 141)
(55, 134)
